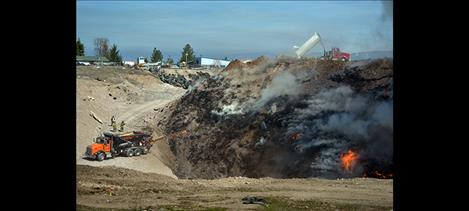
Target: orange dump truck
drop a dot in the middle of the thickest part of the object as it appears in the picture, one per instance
(110, 145)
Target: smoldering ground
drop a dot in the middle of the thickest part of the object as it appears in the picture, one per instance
(298, 124)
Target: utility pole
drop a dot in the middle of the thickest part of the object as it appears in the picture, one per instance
(186, 61)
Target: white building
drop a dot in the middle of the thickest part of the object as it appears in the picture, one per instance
(141, 60)
(206, 62)
(130, 63)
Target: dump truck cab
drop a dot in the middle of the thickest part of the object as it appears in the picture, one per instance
(100, 149)
(335, 54)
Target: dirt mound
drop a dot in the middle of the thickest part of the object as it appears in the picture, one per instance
(257, 61)
(236, 64)
(375, 75)
(285, 118)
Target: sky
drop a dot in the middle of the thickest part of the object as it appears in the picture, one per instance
(234, 29)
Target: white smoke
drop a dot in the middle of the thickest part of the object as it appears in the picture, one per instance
(354, 117)
(314, 143)
(284, 83)
(347, 124)
(387, 10)
(327, 160)
(260, 142)
(383, 114)
(353, 113)
(338, 99)
(357, 125)
(229, 110)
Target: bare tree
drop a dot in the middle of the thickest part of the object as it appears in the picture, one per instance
(101, 46)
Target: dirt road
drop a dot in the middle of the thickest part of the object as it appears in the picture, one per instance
(137, 112)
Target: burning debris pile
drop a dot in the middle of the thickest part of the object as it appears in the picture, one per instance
(179, 80)
(286, 118)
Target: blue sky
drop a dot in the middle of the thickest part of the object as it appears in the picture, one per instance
(234, 29)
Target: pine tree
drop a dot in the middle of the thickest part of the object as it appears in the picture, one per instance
(114, 54)
(156, 56)
(190, 54)
(80, 48)
(169, 61)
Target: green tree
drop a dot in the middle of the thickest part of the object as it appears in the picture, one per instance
(80, 48)
(187, 53)
(170, 61)
(114, 54)
(156, 56)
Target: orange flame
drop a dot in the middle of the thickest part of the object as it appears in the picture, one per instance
(295, 136)
(382, 175)
(379, 175)
(349, 160)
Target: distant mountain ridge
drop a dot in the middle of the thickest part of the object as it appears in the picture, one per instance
(361, 55)
(372, 55)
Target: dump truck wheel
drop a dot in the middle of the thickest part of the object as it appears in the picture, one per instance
(137, 152)
(100, 156)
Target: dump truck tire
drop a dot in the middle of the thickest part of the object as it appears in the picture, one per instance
(130, 153)
(100, 156)
(137, 152)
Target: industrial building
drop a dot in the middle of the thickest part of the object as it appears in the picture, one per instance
(207, 62)
(91, 59)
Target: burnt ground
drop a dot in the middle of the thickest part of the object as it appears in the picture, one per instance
(284, 119)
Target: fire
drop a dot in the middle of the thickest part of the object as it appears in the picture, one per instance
(349, 160)
(295, 136)
(379, 175)
(382, 175)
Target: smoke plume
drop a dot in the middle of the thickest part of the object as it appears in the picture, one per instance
(387, 10)
(284, 83)
(339, 119)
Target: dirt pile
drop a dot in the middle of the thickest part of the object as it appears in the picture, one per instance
(285, 118)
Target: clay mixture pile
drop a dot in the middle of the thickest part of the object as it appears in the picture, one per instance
(285, 118)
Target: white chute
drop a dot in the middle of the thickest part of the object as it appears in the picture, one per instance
(310, 43)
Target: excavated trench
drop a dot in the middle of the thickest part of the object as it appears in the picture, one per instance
(286, 118)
